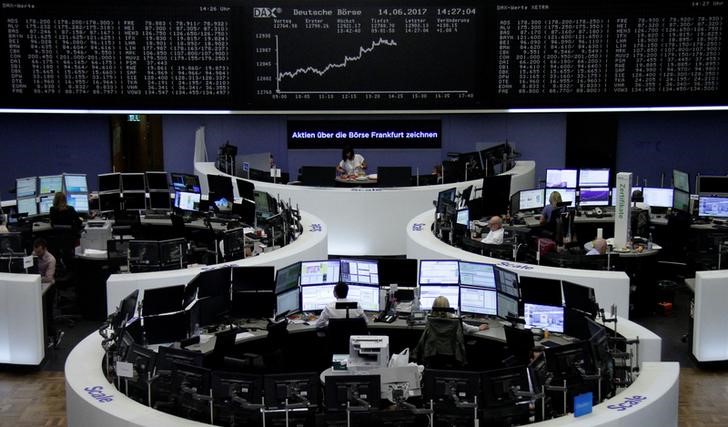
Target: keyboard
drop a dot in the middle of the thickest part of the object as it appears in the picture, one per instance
(156, 215)
(549, 344)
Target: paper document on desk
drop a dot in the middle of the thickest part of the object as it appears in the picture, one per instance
(243, 336)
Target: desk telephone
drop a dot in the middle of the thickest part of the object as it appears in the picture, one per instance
(387, 315)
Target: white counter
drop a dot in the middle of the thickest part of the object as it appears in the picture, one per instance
(657, 384)
(710, 341)
(310, 245)
(21, 319)
(368, 221)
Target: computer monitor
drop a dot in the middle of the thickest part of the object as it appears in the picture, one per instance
(213, 282)
(287, 278)
(446, 198)
(320, 272)
(439, 272)
(442, 385)
(316, 297)
(614, 195)
(110, 182)
(496, 195)
(187, 201)
(465, 195)
(44, 204)
(681, 180)
(343, 391)
(498, 386)
(712, 185)
(28, 206)
(173, 252)
(134, 201)
(362, 271)
(165, 328)
(403, 272)
(79, 202)
(50, 184)
(594, 196)
(75, 183)
(477, 274)
(538, 290)
(163, 300)
(110, 202)
(507, 306)
(531, 199)
(246, 189)
(681, 200)
(567, 194)
(144, 253)
(126, 310)
(282, 389)
(11, 243)
(157, 181)
(159, 200)
(507, 282)
(133, 182)
(366, 295)
(544, 316)
(564, 360)
(428, 293)
(288, 302)
(593, 177)
(657, 197)
(519, 343)
(716, 207)
(220, 191)
(254, 278)
(265, 204)
(185, 182)
(478, 301)
(26, 187)
(561, 178)
(463, 217)
(227, 385)
(579, 297)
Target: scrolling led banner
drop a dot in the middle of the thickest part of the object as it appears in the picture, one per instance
(364, 133)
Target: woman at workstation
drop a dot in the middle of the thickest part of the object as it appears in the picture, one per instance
(63, 214)
(554, 200)
(351, 163)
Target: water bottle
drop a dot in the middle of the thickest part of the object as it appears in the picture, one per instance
(649, 242)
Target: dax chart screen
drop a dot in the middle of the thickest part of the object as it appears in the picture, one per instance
(364, 54)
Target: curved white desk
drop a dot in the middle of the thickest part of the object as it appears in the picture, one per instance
(657, 383)
(610, 287)
(366, 221)
(21, 319)
(310, 245)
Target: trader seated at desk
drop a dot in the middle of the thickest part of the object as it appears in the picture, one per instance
(439, 307)
(547, 215)
(495, 235)
(351, 164)
(341, 291)
(598, 247)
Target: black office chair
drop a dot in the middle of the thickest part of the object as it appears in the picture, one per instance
(224, 343)
(318, 176)
(442, 344)
(640, 222)
(520, 344)
(275, 356)
(394, 176)
(339, 331)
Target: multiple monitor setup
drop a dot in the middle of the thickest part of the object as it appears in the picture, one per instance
(148, 255)
(138, 191)
(34, 195)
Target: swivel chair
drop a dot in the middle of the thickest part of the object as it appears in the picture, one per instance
(442, 344)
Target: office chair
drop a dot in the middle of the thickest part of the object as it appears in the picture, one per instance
(442, 344)
(520, 344)
(224, 343)
(394, 176)
(339, 331)
(318, 176)
(640, 222)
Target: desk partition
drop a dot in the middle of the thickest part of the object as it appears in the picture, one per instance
(710, 341)
(21, 319)
(366, 221)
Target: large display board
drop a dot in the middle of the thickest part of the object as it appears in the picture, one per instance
(366, 55)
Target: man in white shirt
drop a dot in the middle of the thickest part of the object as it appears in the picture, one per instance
(495, 235)
(598, 247)
(341, 290)
(351, 164)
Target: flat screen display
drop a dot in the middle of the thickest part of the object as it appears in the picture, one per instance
(507, 305)
(25, 187)
(187, 201)
(716, 207)
(320, 272)
(133, 182)
(443, 272)
(27, 206)
(50, 184)
(157, 181)
(681, 200)
(159, 200)
(185, 182)
(478, 301)
(593, 177)
(288, 302)
(135, 201)
(713, 185)
(507, 282)
(315, 298)
(477, 275)
(531, 199)
(110, 182)
(681, 180)
(561, 178)
(44, 205)
(544, 317)
(365, 272)
(658, 197)
(567, 194)
(76, 183)
(366, 296)
(594, 196)
(463, 216)
(445, 198)
(287, 278)
(428, 293)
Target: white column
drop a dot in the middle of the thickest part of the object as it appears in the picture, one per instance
(622, 210)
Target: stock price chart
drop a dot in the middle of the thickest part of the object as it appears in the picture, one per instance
(355, 56)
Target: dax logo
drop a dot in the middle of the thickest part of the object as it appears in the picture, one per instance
(628, 403)
(97, 392)
(266, 12)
